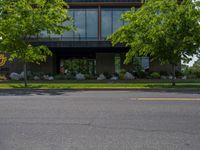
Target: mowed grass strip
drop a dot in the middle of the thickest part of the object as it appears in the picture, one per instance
(99, 85)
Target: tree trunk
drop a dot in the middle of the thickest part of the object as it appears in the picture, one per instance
(173, 74)
(25, 74)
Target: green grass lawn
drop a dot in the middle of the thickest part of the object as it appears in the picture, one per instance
(100, 85)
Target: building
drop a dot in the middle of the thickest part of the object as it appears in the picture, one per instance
(86, 49)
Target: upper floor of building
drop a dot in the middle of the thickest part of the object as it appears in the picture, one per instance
(114, 3)
(92, 22)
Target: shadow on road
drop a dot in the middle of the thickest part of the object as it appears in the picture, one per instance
(32, 92)
(57, 92)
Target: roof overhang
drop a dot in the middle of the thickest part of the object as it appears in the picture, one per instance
(104, 4)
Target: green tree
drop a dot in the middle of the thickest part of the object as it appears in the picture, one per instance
(21, 19)
(165, 30)
(193, 71)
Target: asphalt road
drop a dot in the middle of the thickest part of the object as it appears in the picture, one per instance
(99, 120)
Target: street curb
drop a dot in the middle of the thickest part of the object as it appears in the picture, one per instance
(193, 90)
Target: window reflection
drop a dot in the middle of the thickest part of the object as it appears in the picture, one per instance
(110, 20)
(86, 24)
(143, 61)
(43, 34)
(79, 20)
(92, 24)
(83, 65)
(106, 22)
(117, 23)
(68, 34)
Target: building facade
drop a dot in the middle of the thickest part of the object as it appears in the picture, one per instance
(86, 50)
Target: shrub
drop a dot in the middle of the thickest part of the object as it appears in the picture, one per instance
(155, 75)
(60, 77)
(123, 71)
(70, 76)
(191, 72)
(90, 76)
(164, 73)
(107, 75)
(3, 77)
(121, 75)
(194, 71)
(31, 75)
(116, 74)
(191, 76)
(141, 74)
(40, 74)
(179, 74)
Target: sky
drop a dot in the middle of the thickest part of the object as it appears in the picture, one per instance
(194, 58)
(192, 61)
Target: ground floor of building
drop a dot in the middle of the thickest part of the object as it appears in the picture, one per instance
(87, 61)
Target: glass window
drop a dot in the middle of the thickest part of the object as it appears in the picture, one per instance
(143, 61)
(110, 20)
(55, 36)
(106, 22)
(68, 34)
(79, 18)
(85, 22)
(75, 65)
(43, 34)
(117, 23)
(91, 23)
